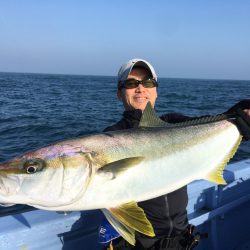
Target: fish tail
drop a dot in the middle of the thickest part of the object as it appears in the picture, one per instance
(217, 175)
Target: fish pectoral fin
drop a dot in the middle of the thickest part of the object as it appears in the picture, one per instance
(150, 119)
(132, 218)
(217, 175)
(118, 167)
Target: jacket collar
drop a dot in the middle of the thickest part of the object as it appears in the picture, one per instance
(133, 115)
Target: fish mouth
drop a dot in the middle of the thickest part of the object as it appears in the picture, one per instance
(10, 181)
(9, 187)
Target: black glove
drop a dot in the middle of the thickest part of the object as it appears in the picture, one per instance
(243, 124)
(242, 120)
(243, 104)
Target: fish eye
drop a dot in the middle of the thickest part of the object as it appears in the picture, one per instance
(33, 165)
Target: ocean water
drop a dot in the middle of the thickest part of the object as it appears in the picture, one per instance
(39, 109)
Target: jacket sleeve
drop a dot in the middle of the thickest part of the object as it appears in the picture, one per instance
(118, 126)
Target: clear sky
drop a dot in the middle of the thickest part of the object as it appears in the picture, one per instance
(181, 38)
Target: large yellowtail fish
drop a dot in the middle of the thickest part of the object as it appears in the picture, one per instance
(114, 170)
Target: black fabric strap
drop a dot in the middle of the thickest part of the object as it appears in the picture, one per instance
(243, 124)
(243, 104)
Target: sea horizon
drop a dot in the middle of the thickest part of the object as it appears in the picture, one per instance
(159, 77)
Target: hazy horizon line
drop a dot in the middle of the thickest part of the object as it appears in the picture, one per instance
(166, 77)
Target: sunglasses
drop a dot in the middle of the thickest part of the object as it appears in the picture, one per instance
(133, 83)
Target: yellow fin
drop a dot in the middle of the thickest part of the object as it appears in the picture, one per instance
(127, 219)
(126, 232)
(217, 175)
(133, 216)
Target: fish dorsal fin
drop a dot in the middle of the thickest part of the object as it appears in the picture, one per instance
(217, 175)
(118, 167)
(132, 218)
(150, 119)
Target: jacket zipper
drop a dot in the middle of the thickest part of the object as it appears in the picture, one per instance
(169, 218)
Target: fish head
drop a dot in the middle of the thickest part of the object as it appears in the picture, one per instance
(49, 177)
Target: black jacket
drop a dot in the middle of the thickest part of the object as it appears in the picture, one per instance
(167, 213)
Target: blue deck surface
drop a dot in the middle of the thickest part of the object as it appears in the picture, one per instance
(220, 211)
